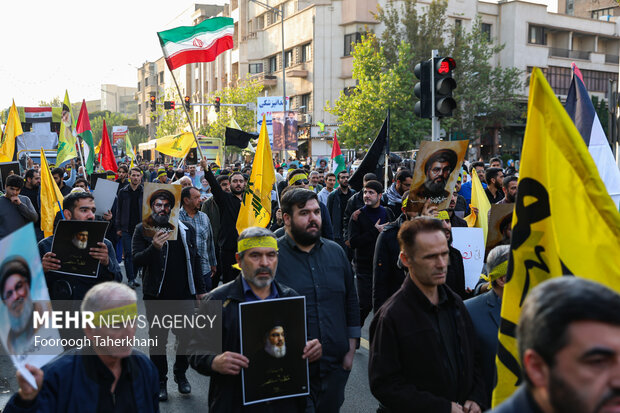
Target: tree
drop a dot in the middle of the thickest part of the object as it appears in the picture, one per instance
(246, 91)
(171, 122)
(383, 68)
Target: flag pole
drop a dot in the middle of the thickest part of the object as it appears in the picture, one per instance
(387, 152)
(79, 147)
(189, 118)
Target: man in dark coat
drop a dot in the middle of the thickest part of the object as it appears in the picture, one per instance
(256, 282)
(569, 348)
(485, 310)
(422, 346)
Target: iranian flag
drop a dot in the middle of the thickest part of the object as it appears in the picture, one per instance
(337, 158)
(196, 44)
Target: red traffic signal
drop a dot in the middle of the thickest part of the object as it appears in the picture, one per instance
(444, 84)
(445, 65)
(187, 103)
(153, 103)
(217, 104)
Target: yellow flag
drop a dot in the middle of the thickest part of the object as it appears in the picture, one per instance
(558, 229)
(176, 146)
(256, 206)
(217, 160)
(67, 135)
(12, 130)
(51, 198)
(479, 200)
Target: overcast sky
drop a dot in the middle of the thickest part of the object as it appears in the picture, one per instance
(49, 46)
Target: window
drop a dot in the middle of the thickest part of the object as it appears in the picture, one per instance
(485, 28)
(458, 24)
(559, 78)
(349, 42)
(146, 81)
(260, 22)
(139, 86)
(570, 7)
(305, 102)
(306, 53)
(273, 63)
(288, 58)
(250, 26)
(139, 107)
(255, 68)
(597, 14)
(537, 35)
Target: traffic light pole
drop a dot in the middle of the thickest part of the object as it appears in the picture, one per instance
(434, 118)
(189, 118)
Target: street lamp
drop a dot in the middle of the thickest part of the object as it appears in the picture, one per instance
(279, 12)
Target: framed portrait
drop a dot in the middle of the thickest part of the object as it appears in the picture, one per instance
(273, 336)
(192, 157)
(436, 170)
(72, 243)
(24, 293)
(6, 169)
(160, 209)
(500, 224)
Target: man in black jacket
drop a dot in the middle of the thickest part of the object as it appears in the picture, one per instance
(229, 204)
(422, 344)
(568, 339)
(171, 272)
(258, 261)
(364, 228)
(337, 204)
(128, 215)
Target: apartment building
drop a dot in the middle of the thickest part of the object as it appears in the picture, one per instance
(120, 99)
(319, 37)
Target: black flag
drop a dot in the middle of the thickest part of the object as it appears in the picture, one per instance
(239, 138)
(374, 160)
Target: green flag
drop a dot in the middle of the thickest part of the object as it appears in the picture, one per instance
(84, 130)
(66, 137)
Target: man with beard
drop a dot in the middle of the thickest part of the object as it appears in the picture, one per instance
(437, 170)
(128, 215)
(465, 191)
(569, 347)
(510, 186)
(257, 257)
(161, 201)
(393, 196)
(58, 174)
(455, 221)
(228, 204)
(337, 204)
(320, 270)
(15, 210)
(363, 233)
(15, 284)
(494, 178)
(78, 206)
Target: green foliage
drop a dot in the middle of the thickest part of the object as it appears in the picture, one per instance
(246, 92)
(171, 122)
(383, 68)
(600, 106)
(137, 133)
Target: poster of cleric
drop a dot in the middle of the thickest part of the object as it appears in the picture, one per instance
(436, 170)
(72, 245)
(160, 209)
(273, 336)
(24, 293)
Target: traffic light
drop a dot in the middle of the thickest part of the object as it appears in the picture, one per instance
(152, 103)
(169, 104)
(217, 104)
(444, 85)
(422, 89)
(187, 102)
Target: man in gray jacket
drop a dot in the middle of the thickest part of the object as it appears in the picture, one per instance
(15, 210)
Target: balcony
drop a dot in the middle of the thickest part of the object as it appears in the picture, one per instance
(298, 70)
(265, 79)
(612, 58)
(569, 54)
(250, 35)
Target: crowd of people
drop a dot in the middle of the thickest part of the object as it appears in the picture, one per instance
(352, 255)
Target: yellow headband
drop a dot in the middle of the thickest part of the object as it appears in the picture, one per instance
(297, 178)
(257, 242)
(498, 271)
(118, 314)
(161, 174)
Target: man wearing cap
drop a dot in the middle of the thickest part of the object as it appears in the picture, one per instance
(422, 354)
(485, 314)
(161, 202)
(15, 283)
(437, 170)
(98, 377)
(363, 233)
(15, 210)
(257, 256)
